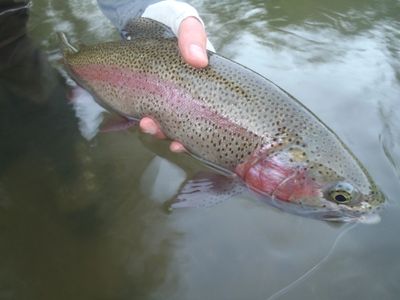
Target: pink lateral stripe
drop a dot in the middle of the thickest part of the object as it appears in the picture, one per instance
(148, 83)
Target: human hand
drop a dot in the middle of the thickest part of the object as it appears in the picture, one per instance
(192, 40)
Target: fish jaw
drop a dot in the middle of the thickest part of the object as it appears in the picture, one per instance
(295, 186)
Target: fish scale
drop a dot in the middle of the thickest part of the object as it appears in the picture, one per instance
(225, 113)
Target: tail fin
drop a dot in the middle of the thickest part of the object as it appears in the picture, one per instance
(65, 44)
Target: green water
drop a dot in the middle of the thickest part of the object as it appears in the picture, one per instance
(85, 220)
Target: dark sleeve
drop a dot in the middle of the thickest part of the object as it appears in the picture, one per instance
(120, 11)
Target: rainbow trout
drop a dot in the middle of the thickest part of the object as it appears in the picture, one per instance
(232, 119)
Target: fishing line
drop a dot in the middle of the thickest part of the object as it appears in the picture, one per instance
(11, 10)
(314, 268)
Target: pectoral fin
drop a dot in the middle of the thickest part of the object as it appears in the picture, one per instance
(118, 124)
(207, 189)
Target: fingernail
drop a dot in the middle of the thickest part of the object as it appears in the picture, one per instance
(197, 51)
(150, 130)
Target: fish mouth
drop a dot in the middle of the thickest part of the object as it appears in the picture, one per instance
(340, 217)
(330, 212)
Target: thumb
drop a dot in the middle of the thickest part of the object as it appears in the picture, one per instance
(192, 40)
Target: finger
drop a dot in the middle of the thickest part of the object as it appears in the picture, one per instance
(192, 40)
(177, 147)
(148, 125)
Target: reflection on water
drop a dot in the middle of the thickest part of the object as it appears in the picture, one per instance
(391, 135)
(86, 220)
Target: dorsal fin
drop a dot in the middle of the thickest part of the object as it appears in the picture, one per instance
(146, 28)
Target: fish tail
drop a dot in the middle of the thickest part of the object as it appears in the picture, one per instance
(65, 43)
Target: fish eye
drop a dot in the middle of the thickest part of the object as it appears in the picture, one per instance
(340, 196)
(342, 192)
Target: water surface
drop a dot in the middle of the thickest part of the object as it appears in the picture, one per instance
(85, 219)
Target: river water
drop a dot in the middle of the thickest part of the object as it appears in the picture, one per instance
(85, 219)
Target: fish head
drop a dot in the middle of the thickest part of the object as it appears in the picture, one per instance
(319, 188)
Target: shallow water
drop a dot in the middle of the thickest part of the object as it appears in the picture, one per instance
(86, 220)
